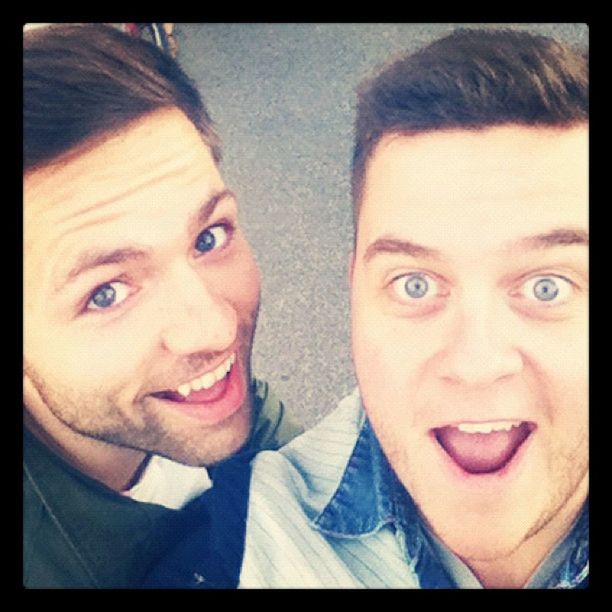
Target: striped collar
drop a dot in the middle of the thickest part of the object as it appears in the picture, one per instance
(369, 496)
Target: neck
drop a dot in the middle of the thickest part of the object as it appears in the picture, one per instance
(515, 570)
(114, 466)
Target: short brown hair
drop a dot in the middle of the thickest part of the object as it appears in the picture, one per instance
(471, 79)
(84, 82)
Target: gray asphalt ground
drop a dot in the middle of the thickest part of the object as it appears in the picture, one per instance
(283, 98)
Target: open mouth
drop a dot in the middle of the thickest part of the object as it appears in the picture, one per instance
(211, 398)
(483, 448)
(206, 388)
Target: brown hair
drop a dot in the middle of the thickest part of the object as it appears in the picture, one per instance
(84, 82)
(471, 79)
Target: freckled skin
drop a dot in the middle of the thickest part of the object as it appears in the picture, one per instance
(89, 374)
(482, 344)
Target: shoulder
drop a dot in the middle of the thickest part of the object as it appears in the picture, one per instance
(308, 469)
(273, 426)
(289, 488)
(48, 559)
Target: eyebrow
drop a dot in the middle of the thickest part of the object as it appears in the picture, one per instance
(95, 258)
(389, 246)
(559, 237)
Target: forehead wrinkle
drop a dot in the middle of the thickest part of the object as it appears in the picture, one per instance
(94, 257)
(104, 166)
(88, 260)
(46, 216)
(123, 195)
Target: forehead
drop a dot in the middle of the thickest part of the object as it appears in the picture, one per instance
(481, 187)
(147, 169)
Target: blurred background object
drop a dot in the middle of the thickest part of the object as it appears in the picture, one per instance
(161, 34)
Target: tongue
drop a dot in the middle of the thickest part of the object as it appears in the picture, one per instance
(479, 453)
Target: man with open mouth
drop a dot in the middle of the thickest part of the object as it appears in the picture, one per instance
(462, 460)
(140, 304)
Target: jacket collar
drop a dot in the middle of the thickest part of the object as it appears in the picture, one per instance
(370, 496)
(109, 536)
(365, 499)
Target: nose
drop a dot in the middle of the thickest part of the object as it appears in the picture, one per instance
(480, 350)
(197, 316)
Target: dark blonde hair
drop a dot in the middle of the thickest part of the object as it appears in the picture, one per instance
(84, 82)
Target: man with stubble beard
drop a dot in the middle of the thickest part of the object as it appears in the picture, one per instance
(140, 304)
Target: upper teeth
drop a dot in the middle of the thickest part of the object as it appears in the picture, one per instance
(207, 380)
(487, 427)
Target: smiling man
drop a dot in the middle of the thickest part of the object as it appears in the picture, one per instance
(462, 460)
(140, 304)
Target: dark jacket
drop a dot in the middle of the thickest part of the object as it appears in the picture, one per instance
(78, 533)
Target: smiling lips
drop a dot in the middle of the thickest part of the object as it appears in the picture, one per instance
(205, 388)
(482, 448)
(211, 398)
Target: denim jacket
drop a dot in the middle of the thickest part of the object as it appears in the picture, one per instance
(327, 511)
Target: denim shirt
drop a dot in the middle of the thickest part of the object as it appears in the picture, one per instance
(328, 511)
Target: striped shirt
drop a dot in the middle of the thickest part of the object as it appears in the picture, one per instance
(326, 511)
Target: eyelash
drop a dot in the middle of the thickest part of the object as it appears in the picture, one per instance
(425, 304)
(423, 276)
(225, 224)
(91, 310)
(566, 288)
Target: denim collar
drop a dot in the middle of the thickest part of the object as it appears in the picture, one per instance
(370, 496)
(363, 501)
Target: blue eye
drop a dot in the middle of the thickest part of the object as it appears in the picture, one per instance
(417, 289)
(551, 290)
(416, 286)
(546, 289)
(212, 238)
(107, 295)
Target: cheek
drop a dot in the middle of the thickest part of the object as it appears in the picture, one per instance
(84, 356)
(388, 361)
(88, 363)
(559, 357)
(239, 279)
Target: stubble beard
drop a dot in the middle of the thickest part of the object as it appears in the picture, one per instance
(568, 471)
(102, 416)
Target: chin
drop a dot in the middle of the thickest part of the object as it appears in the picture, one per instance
(227, 442)
(209, 445)
(485, 551)
(482, 539)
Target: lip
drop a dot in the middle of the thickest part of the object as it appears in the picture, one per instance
(224, 405)
(209, 373)
(503, 477)
(475, 421)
